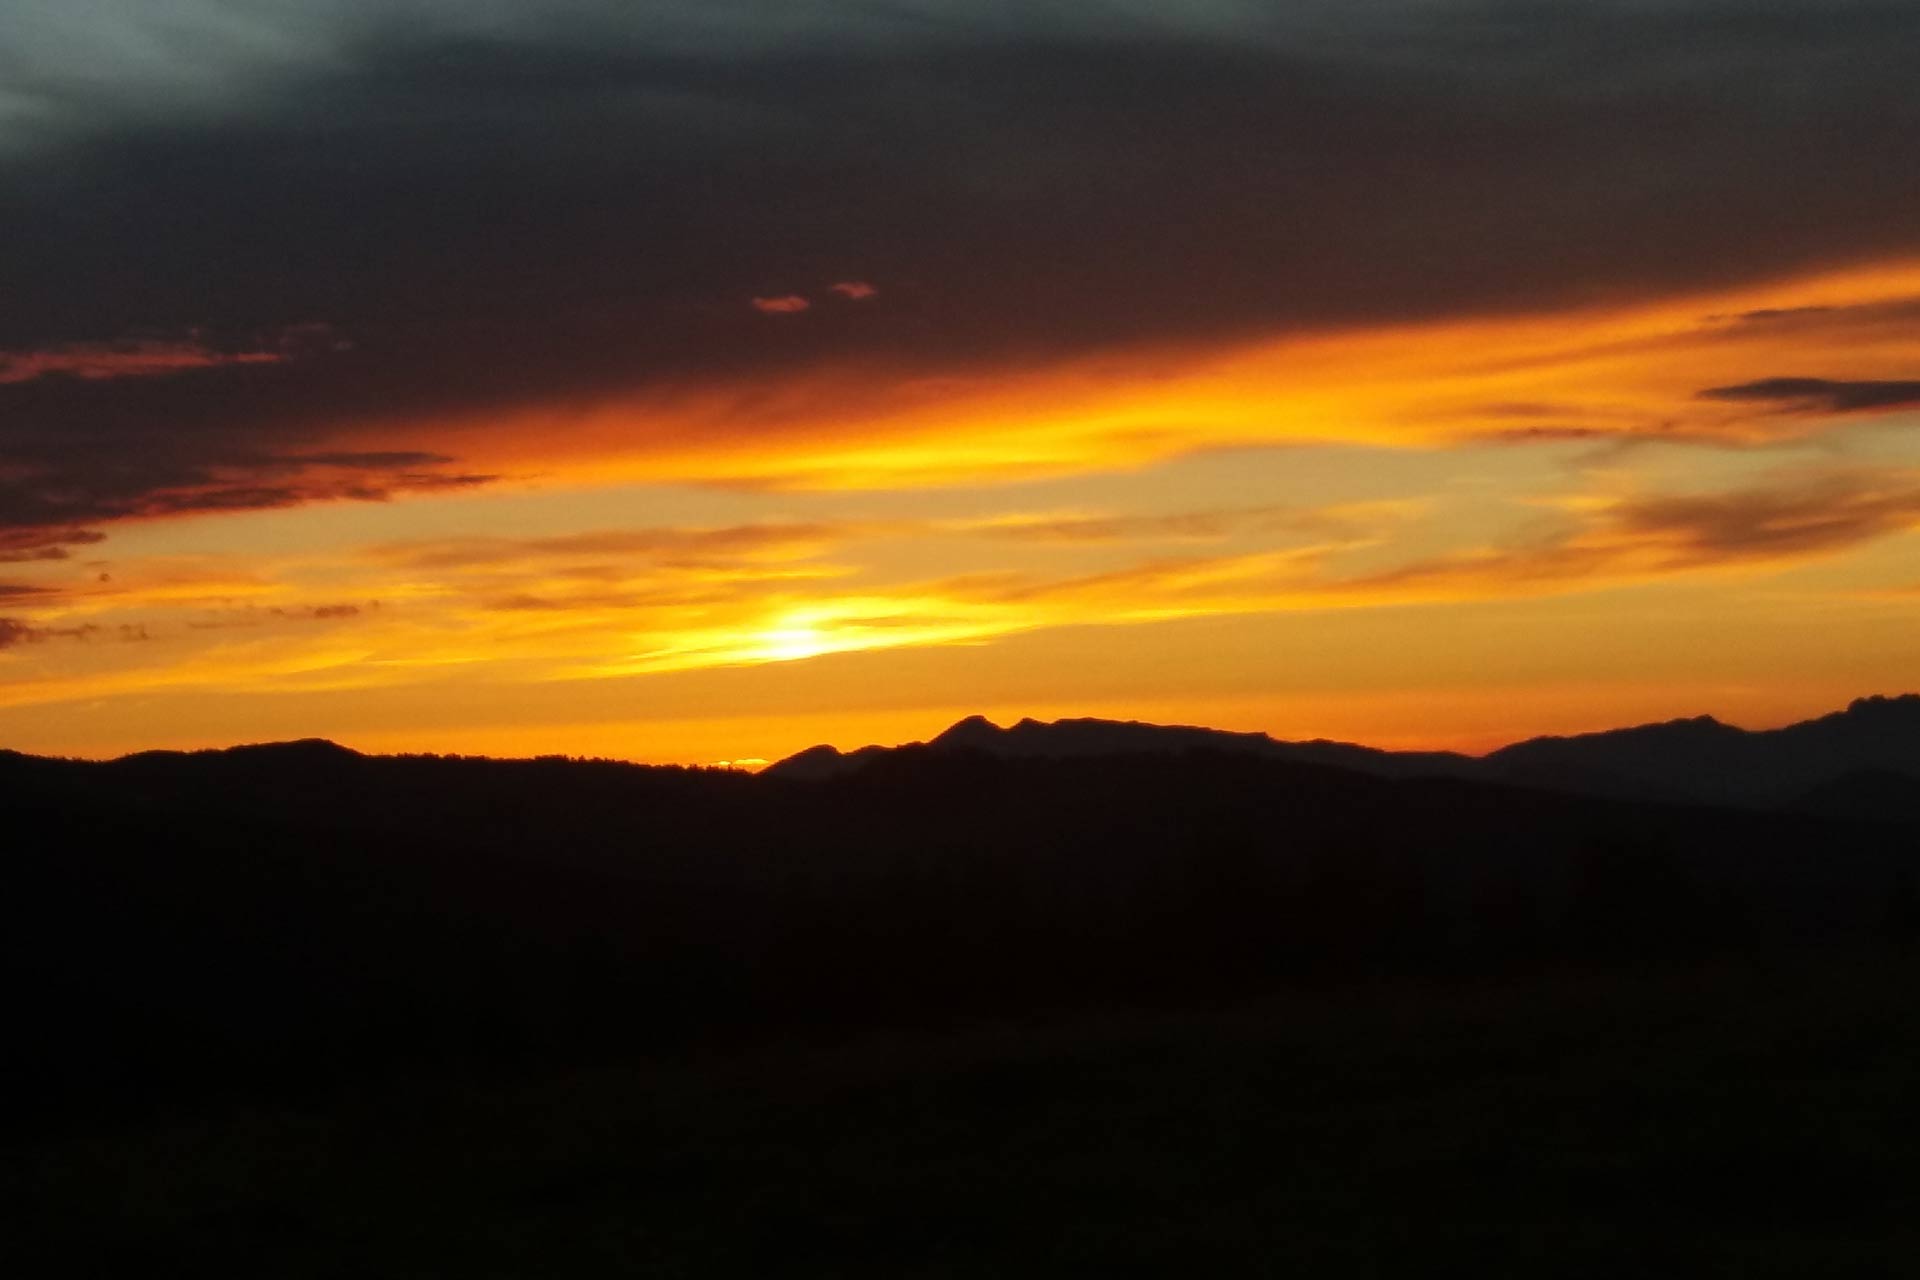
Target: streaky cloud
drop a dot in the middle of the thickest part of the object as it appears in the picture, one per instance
(1821, 395)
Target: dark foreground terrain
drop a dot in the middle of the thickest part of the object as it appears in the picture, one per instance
(1706, 1123)
(294, 1011)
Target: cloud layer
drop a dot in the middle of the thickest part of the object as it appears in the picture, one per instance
(497, 207)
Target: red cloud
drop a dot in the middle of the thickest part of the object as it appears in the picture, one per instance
(138, 358)
(785, 305)
(853, 290)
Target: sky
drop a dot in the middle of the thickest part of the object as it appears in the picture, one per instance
(695, 382)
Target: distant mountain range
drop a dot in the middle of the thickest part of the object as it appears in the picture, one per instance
(174, 920)
(1863, 761)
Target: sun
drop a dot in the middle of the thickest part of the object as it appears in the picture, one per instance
(791, 644)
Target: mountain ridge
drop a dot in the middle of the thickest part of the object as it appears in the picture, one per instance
(1862, 760)
(1689, 759)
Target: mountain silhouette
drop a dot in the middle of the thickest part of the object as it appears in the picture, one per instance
(1087, 738)
(1704, 760)
(182, 920)
(1697, 760)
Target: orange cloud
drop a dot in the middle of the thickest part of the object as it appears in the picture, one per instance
(854, 290)
(1186, 526)
(784, 305)
(681, 545)
(1602, 372)
(1642, 537)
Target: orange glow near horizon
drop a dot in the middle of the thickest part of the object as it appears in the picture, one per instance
(1451, 534)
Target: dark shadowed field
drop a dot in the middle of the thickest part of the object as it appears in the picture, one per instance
(296, 1012)
(1745, 1123)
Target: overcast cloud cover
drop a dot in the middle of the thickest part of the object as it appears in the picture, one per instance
(341, 211)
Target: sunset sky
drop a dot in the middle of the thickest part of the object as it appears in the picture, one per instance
(699, 380)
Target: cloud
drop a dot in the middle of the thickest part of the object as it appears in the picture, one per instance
(854, 290)
(1651, 536)
(1549, 435)
(785, 305)
(255, 615)
(51, 497)
(1132, 177)
(95, 435)
(663, 593)
(1605, 544)
(26, 546)
(659, 544)
(380, 460)
(14, 632)
(1800, 518)
(1194, 526)
(1771, 315)
(524, 612)
(1821, 395)
(136, 358)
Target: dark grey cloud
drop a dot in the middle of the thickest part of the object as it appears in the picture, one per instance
(1821, 395)
(495, 206)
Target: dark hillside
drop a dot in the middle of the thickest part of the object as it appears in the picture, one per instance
(296, 912)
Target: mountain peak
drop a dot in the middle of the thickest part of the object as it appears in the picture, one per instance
(817, 764)
(1681, 724)
(823, 761)
(1884, 705)
(307, 748)
(974, 731)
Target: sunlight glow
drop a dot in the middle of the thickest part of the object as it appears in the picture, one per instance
(1529, 464)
